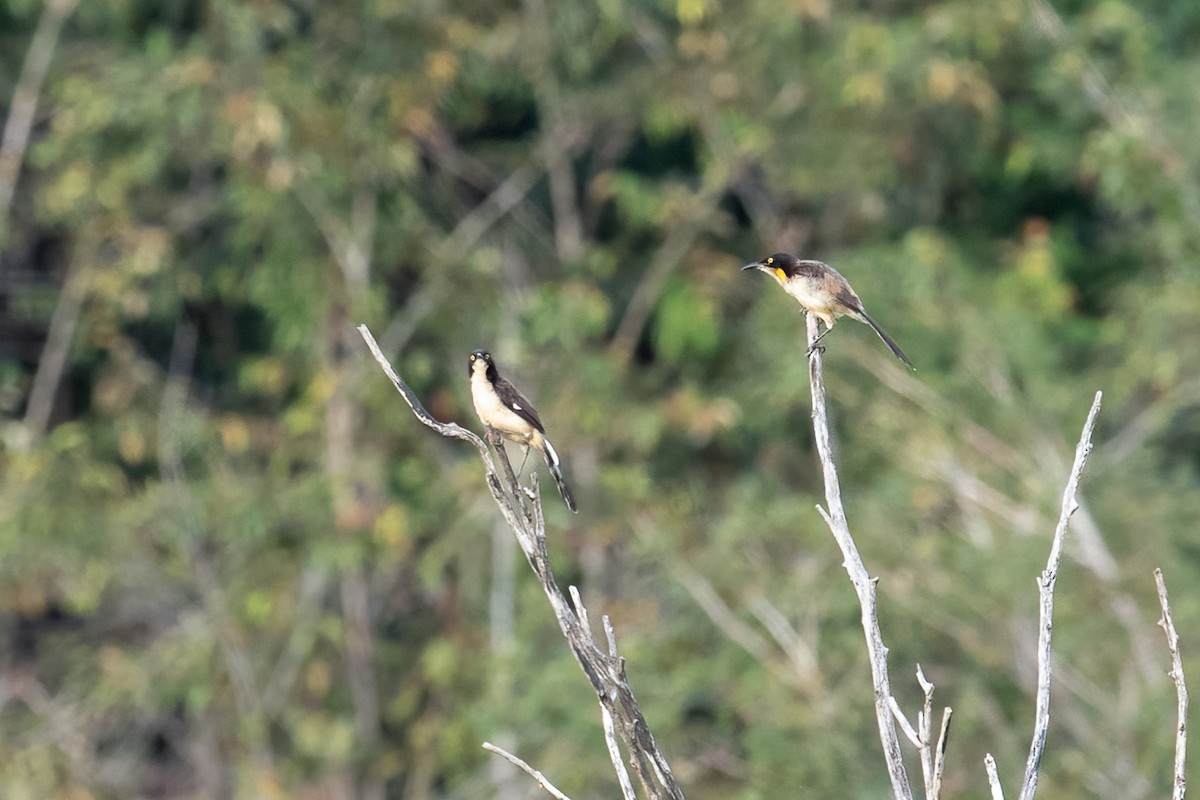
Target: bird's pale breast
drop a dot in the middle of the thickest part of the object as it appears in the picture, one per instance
(815, 296)
(494, 413)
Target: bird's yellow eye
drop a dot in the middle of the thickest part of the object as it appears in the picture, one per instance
(770, 261)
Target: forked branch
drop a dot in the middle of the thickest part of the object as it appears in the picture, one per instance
(1070, 504)
(1046, 581)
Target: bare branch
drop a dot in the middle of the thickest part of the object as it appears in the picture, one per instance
(349, 243)
(445, 429)
(533, 773)
(604, 670)
(864, 584)
(610, 730)
(53, 362)
(993, 777)
(933, 759)
(1176, 673)
(905, 725)
(720, 614)
(303, 634)
(1122, 113)
(611, 636)
(614, 753)
(924, 725)
(581, 610)
(664, 262)
(801, 654)
(506, 198)
(939, 755)
(23, 106)
(1046, 591)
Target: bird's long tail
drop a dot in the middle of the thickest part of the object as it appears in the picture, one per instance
(555, 465)
(887, 340)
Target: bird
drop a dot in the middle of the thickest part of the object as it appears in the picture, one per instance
(502, 408)
(822, 291)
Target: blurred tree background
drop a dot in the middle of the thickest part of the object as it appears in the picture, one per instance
(232, 565)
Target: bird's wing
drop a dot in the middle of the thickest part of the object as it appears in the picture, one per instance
(814, 269)
(850, 300)
(515, 402)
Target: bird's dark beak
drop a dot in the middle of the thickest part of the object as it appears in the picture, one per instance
(755, 265)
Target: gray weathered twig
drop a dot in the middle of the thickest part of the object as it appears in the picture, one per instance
(1046, 617)
(939, 754)
(989, 764)
(1168, 625)
(864, 584)
(605, 670)
(533, 773)
(22, 108)
(933, 759)
(610, 730)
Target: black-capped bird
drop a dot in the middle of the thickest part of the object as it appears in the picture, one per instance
(505, 410)
(822, 291)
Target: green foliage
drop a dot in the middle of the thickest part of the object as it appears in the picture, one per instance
(242, 569)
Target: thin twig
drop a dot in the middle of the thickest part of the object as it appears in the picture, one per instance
(611, 635)
(1176, 673)
(989, 764)
(53, 362)
(800, 653)
(614, 754)
(933, 758)
(864, 584)
(23, 106)
(662, 264)
(939, 755)
(312, 582)
(444, 428)
(905, 726)
(1123, 114)
(1046, 618)
(610, 730)
(721, 615)
(533, 773)
(506, 198)
(925, 726)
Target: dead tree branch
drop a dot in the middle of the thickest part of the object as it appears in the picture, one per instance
(703, 205)
(22, 109)
(933, 759)
(989, 764)
(864, 584)
(610, 729)
(53, 363)
(605, 670)
(1046, 618)
(1168, 625)
(533, 773)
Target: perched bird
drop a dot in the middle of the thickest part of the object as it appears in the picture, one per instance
(822, 291)
(504, 409)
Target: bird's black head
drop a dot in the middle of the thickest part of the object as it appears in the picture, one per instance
(482, 360)
(781, 265)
